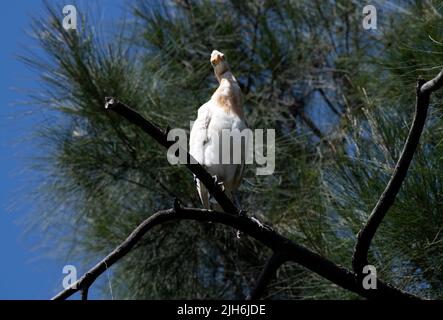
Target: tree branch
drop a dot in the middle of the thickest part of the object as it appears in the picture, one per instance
(268, 272)
(161, 137)
(386, 200)
(265, 235)
(84, 293)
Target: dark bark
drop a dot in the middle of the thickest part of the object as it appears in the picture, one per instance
(387, 198)
(84, 293)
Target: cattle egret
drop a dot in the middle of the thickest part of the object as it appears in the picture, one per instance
(224, 111)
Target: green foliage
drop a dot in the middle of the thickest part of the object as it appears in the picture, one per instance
(340, 99)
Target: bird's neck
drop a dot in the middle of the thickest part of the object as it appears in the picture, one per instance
(228, 94)
(226, 76)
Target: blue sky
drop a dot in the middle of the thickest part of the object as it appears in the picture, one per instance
(26, 272)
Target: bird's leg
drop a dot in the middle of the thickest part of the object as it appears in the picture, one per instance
(220, 184)
(242, 212)
(257, 222)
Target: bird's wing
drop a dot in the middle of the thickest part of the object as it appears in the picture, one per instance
(199, 134)
(197, 141)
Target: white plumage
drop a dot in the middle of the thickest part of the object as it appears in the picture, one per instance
(223, 111)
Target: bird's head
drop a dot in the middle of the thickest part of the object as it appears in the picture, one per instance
(219, 63)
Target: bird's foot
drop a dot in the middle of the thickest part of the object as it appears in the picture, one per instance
(257, 222)
(219, 182)
(261, 225)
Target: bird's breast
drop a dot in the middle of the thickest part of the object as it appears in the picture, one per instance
(229, 99)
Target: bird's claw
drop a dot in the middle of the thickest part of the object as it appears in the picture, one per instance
(219, 183)
(109, 101)
(261, 225)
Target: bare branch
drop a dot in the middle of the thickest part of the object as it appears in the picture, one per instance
(265, 235)
(432, 85)
(386, 200)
